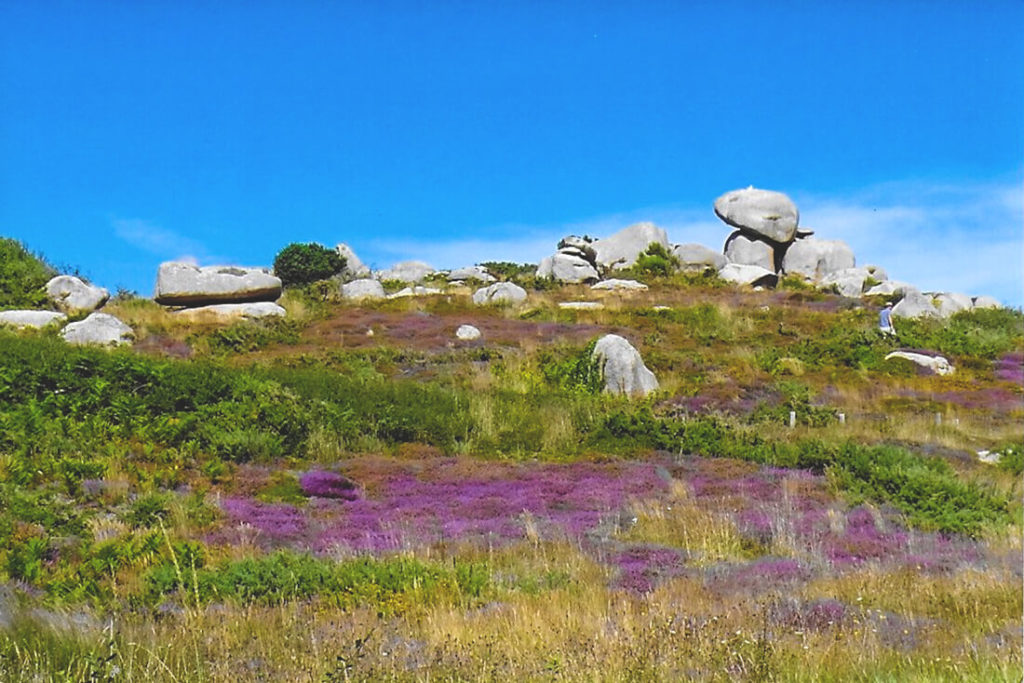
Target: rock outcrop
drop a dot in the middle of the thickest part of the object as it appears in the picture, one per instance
(948, 303)
(622, 249)
(615, 285)
(72, 295)
(99, 328)
(364, 289)
(755, 276)
(914, 304)
(986, 302)
(815, 259)
(569, 268)
(849, 282)
(471, 273)
(499, 293)
(744, 250)
(36, 319)
(354, 267)
(935, 364)
(409, 272)
(229, 313)
(622, 368)
(697, 257)
(184, 284)
(763, 213)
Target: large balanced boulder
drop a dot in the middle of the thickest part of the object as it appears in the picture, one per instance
(567, 268)
(755, 276)
(745, 250)
(359, 290)
(20, 319)
(771, 215)
(185, 284)
(622, 249)
(99, 328)
(499, 293)
(409, 272)
(354, 267)
(622, 368)
(228, 313)
(914, 304)
(814, 259)
(697, 257)
(72, 295)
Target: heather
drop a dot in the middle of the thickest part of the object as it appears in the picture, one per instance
(302, 500)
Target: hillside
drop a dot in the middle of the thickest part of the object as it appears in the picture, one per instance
(349, 491)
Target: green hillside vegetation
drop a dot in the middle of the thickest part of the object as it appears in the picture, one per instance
(22, 276)
(202, 490)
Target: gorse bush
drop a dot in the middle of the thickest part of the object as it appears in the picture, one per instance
(22, 276)
(656, 260)
(299, 264)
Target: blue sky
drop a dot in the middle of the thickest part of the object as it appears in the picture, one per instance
(457, 132)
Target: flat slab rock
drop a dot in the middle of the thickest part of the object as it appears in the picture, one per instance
(937, 364)
(185, 284)
(36, 319)
(615, 285)
(232, 312)
(581, 305)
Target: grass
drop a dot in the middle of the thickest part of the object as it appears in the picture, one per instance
(506, 520)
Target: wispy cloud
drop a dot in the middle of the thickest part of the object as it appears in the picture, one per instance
(964, 237)
(159, 241)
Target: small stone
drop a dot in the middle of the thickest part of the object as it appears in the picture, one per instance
(467, 333)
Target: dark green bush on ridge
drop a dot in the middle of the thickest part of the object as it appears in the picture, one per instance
(299, 264)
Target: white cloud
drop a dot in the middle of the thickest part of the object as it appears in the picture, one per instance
(941, 237)
(159, 241)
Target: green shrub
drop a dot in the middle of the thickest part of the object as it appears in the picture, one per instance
(575, 372)
(506, 270)
(22, 276)
(299, 264)
(656, 260)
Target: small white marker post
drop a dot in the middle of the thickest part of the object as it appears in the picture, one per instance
(842, 418)
(792, 419)
(938, 419)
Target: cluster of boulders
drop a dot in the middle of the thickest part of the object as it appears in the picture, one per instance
(218, 293)
(74, 296)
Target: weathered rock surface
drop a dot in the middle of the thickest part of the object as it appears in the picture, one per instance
(622, 368)
(184, 284)
(768, 214)
(471, 273)
(567, 268)
(848, 282)
(622, 249)
(986, 302)
(755, 276)
(891, 288)
(99, 328)
(914, 304)
(697, 257)
(499, 293)
(227, 313)
(415, 290)
(467, 333)
(936, 364)
(364, 289)
(615, 285)
(581, 305)
(949, 303)
(409, 272)
(22, 319)
(815, 259)
(745, 250)
(354, 267)
(71, 294)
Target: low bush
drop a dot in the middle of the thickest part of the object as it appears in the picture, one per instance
(23, 276)
(300, 264)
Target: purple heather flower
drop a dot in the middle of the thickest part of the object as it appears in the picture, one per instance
(325, 484)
